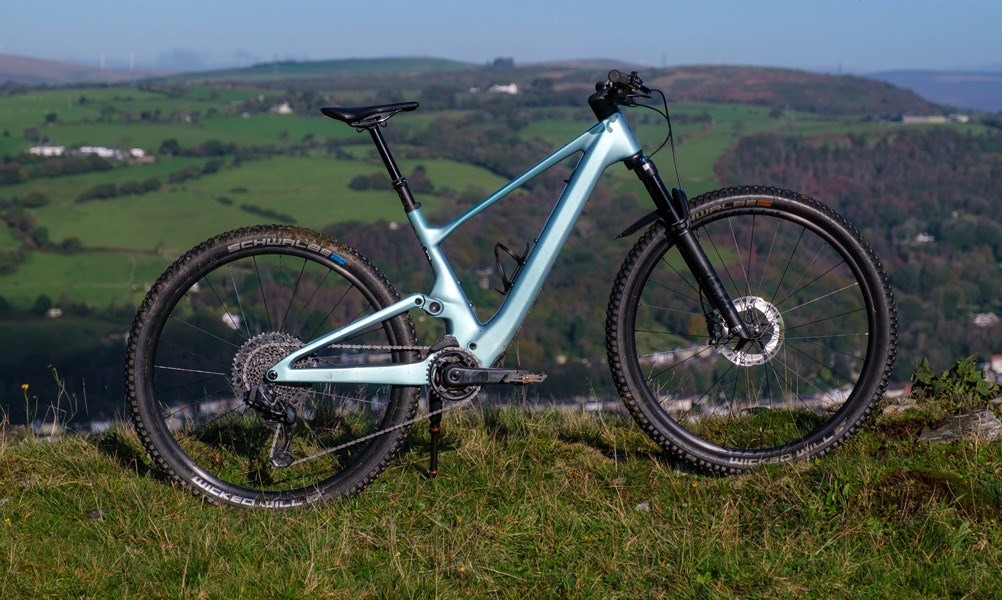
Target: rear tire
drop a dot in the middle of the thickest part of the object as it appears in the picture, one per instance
(799, 273)
(212, 326)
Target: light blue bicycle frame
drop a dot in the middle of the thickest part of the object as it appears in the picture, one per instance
(608, 142)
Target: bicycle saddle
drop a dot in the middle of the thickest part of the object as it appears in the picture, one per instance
(367, 116)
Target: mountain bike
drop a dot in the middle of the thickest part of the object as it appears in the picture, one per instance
(274, 366)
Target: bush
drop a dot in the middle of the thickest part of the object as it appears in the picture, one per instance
(101, 191)
(151, 184)
(130, 187)
(35, 200)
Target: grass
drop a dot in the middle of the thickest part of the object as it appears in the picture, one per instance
(528, 505)
(95, 278)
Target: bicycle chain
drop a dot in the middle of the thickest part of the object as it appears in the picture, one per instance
(380, 432)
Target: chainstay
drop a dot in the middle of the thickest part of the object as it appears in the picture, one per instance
(380, 432)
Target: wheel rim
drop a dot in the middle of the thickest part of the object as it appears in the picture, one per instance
(222, 328)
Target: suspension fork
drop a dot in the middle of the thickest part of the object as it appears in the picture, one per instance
(673, 209)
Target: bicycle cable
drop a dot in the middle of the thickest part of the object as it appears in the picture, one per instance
(670, 138)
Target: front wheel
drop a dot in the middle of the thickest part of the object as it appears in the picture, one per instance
(211, 328)
(817, 301)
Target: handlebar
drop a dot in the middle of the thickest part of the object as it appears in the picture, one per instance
(617, 90)
(630, 83)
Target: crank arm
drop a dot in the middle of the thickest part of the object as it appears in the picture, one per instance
(459, 376)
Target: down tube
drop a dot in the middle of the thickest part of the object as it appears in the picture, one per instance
(614, 143)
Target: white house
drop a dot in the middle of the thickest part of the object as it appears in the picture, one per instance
(508, 88)
(47, 150)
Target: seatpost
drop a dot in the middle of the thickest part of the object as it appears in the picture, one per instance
(398, 180)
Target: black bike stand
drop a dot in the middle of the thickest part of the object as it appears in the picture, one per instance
(434, 405)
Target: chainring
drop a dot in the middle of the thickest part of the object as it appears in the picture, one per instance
(436, 381)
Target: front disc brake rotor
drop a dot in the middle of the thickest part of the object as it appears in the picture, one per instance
(763, 318)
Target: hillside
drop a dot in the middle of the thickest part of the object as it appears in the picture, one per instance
(543, 505)
(789, 89)
(22, 70)
(762, 86)
(86, 235)
(286, 71)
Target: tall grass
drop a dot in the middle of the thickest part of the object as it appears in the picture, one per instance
(529, 504)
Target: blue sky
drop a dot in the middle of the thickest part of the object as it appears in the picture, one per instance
(854, 36)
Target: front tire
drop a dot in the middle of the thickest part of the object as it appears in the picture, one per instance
(799, 274)
(212, 326)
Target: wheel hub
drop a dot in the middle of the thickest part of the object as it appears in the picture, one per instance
(765, 323)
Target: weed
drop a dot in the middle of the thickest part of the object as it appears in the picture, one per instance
(961, 388)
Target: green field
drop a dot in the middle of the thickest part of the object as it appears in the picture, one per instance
(96, 278)
(138, 234)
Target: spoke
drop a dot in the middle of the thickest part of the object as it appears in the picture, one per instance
(807, 269)
(292, 296)
(260, 287)
(331, 312)
(201, 330)
(188, 370)
(244, 316)
(832, 293)
(201, 425)
(789, 262)
(829, 318)
(768, 258)
(722, 264)
(691, 285)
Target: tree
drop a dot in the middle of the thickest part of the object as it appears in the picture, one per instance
(40, 237)
(12, 173)
(169, 147)
(42, 305)
(70, 245)
(359, 183)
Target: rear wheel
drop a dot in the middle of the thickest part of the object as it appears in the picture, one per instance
(211, 328)
(808, 286)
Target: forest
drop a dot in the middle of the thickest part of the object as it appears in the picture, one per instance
(928, 201)
(926, 198)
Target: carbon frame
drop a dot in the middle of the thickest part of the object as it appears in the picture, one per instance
(607, 142)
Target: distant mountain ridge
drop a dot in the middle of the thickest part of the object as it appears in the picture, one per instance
(781, 88)
(978, 90)
(22, 70)
(765, 86)
(296, 70)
